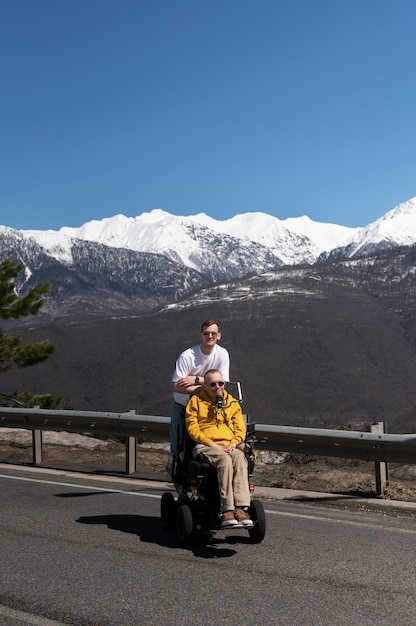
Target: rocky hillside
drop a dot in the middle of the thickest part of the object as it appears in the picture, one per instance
(331, 344)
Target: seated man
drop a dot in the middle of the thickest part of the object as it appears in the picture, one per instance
(215, 422)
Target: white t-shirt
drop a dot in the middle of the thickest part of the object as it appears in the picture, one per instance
(193, 362)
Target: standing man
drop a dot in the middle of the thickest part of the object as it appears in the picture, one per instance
(188, 377)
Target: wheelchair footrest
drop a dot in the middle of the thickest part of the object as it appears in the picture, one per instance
(233, 527)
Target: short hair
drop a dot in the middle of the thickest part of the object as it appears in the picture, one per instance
(209, 323)
(213, 371)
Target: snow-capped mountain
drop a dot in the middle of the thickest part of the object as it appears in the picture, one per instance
(294, 240)
(323, 235)
(245, 242)
(395, 228)
(188, 240)
(123, 264)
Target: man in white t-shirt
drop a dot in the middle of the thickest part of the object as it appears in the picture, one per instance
(188, 377)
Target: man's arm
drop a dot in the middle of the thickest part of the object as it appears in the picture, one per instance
(191, 421)
(182, 381)
(239, 425)
(188, 385)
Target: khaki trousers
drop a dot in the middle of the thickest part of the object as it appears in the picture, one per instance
(232, 475)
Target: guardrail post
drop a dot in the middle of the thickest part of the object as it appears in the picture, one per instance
(381, 468)
(37, 450)
(131, 452)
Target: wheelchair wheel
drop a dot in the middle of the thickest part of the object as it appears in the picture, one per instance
(184, 524)
(258, 516)
(168, 511)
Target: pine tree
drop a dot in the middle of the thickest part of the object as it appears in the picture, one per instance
(12, 351)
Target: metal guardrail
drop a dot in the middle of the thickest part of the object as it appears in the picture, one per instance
(369, 446)
(374, 446)
(128, 424)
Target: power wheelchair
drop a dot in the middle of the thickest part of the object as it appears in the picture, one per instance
(197, 505)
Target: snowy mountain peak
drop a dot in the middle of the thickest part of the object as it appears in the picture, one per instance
(395, 228)
(406, 208)
(324, 235)
(265, 230)
(194, 240)
(179, 237)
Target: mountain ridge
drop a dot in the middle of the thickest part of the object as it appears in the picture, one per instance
(207, 250)
(292, 241)
(159, 231)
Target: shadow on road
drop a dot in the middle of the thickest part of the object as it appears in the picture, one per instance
(83, 495)
(150, 530)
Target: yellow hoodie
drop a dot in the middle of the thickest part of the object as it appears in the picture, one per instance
(205, 422)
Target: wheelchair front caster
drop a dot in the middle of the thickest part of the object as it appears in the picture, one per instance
(184, 524)
(258, 516)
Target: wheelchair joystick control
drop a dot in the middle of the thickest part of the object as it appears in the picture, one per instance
(218, 402)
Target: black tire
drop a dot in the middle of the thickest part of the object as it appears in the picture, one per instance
(257, 514)
(184, 524)
(168, 511)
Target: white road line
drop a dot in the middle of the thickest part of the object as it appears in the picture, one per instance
(317, 518)
(78, 486)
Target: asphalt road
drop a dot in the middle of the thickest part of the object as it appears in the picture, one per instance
(90, 551)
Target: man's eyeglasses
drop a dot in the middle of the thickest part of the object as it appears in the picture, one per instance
(208, 332)
(220, 383)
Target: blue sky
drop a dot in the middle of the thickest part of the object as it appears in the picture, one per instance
(290, 107)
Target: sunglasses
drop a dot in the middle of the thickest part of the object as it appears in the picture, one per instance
(208, 333)
(218, 382)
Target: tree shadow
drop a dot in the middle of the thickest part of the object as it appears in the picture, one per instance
(150, 530)
(340, 496)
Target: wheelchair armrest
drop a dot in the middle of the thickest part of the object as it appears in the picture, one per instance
(250, 430)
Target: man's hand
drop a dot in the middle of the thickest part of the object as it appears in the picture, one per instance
(228, 448)
(186, 385)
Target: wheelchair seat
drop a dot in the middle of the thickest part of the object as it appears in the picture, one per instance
(199, 468)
